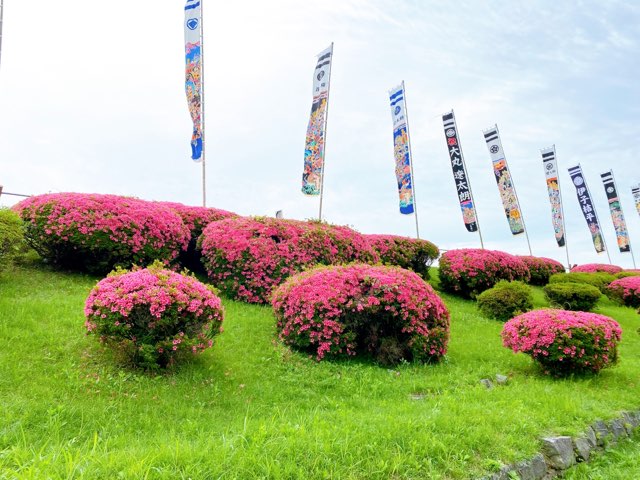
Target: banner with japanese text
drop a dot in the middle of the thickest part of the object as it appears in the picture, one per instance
(589, 212)
(619, 224)
(550, 166)
(402, 152)
(193, 72)
(635, 191)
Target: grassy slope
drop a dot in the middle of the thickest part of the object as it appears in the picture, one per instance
(249, 408)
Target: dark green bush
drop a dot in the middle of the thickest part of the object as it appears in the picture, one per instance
(11, 239)
(505, 300)
(572, 296)
(600, 280)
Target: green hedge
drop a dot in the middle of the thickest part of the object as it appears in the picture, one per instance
(11, 237)
(505, 300)
(599, 280)
(572, 296)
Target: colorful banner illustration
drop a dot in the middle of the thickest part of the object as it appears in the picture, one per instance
(463, 187)
(314, 143)
(550, 166)
(619, 224)
(635, 191)
(504, 181)
(401, 150)
(589, 212)
(193, 72)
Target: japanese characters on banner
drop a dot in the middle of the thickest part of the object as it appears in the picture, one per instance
(505, 183)
(463, 187)
(589, 212)
(401, 150)
(619, 224)
(550, 166)
(193, 72)
(636, 196)
(315, 140)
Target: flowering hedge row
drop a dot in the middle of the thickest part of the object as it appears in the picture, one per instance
(627, 290)
(597, 267)
(541, 268)
(152, 316)
(410, 253)
(387, 312)
(470, 271)
(247, 257)
(96, 232)
(564, 342)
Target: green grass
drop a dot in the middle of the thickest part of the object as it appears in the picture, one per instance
(250, 408)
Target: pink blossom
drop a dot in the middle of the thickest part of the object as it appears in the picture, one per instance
(597, 267)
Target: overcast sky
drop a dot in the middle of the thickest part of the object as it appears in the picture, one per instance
(92, 100)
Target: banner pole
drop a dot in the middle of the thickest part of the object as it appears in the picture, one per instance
(413, 178)
(324, 150)
(1, 19)
(204, 143)
(564, 225)
(464, 165)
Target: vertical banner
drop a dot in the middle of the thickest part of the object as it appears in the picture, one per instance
(619, 224)
(314, 143)
(553, 187)
(636, 196)
(463, 187)
(193, 72)
(401, 150)
(584, 199)
(504, 181)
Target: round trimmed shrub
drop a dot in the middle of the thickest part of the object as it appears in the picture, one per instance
(505, 300)
(572, 296)
(153, 316)
(405, 252)
(597, 267)
(628, 273)
(599, 280)
(11, 237)
(626, 290)
(388, 313)
(564, 342)
(247, 257)
(95, 232)
(470, 271)
(541, 268)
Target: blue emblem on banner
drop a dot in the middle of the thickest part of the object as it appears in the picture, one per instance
(192, 23)
(397, 110)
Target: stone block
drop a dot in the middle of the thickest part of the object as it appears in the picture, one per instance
(558, 452)
(532, 469)
(602, 432)
(501, 379)
(487, 383)
(582, 448)
(616, 427)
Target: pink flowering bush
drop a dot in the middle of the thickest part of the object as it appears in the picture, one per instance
(247, 257)
(470, 271)
(388, 313)
(597, 267)
(153, 316)
(541, 268)
(410, 253)
(95, 232)
(564, 342)
(626, 290)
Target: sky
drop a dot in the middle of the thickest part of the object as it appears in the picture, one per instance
(92, 100)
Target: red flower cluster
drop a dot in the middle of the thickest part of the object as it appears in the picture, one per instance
(597, 267)
(151, 315)
(627, 290)
(197, 218)
(411, 253)
(541, 268)
(247, 257)
(563, 341)
(471, 271)
(387, 312)
(96, 232)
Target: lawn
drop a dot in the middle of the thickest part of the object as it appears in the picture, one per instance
(250, 408)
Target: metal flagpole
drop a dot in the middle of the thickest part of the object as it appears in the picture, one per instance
(464, 165)
(204, 144)
(564, 225)
(633, 258)
(515, 192)
(324, 150)
(1, 15)
(413, 178)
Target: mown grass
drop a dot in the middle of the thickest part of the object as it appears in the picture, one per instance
(250, 408)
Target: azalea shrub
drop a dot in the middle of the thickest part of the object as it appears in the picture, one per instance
(572, 296)
(387, 313)
(628, 273)
(11, 237)
(153, 316)
(410, 253)
(505, 300)
(597, 267)
(247, 257)
(541, 268)
(600, 280)
(95, 232)
(626, 290)
(564, 342)
(470, 271)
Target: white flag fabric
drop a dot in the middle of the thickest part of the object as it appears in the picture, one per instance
(402, 152)
(550, 166)
(193, 72)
